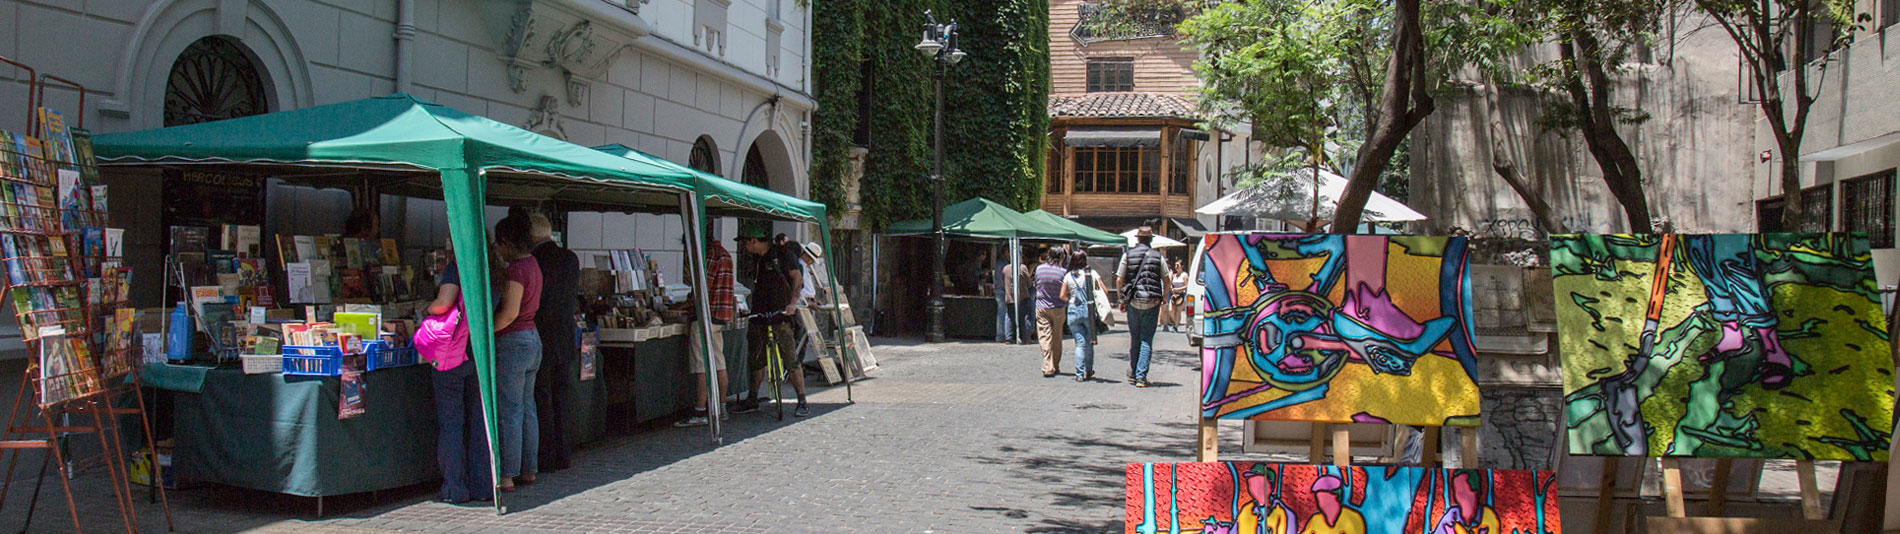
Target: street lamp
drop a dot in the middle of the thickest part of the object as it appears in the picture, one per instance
(940, 43)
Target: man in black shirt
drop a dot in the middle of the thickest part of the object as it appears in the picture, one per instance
(560, 348)
(777, 279)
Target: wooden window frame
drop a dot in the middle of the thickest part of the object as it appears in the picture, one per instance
(1100, 68)
(1130, 170)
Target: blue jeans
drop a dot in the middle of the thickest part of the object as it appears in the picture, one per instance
(1082, 329)
(1141, 339)
(517, 360)
(1005, 322)
(461, 444)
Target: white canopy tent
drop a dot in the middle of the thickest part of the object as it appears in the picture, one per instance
(1295, 199)
(1160, 241)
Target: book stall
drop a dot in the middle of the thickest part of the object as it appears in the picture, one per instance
(285, 345)
(69, 288)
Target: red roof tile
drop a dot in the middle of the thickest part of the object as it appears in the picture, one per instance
(1121, 105)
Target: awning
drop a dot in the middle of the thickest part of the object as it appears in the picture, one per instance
(1196, 135)
(1113, 137)
(1189, 227)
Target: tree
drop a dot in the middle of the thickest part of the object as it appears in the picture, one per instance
(1308, 73)
(1767, 31)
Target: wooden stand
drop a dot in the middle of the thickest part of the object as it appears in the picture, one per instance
(1813, 518)
(1209, 450)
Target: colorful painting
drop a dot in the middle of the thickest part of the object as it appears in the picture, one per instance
(1728, 345)
(1337, 329)
(1264, 498)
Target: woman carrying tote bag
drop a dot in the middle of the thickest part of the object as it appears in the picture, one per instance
(1078, 289)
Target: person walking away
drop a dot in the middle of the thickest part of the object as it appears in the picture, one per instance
(775, 289)
(461, 445)
(1178, 305)
(1051, 311)
(517, 353)
(1078, 290)
(1007, 281)
(721, 304)
(558, 327)
(1143, 282)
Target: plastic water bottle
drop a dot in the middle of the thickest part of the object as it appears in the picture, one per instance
(178, 345)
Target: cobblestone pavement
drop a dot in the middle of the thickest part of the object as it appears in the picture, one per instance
(958, 437)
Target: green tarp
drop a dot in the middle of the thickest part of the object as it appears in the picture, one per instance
(1082, 232)
(984, 218)
(723, 197)
(399, 132)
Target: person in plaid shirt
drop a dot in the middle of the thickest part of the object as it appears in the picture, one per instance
(723, 305)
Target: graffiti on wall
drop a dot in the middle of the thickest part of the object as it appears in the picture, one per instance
(1264, 498)
(1338, 328)
(1725, 345)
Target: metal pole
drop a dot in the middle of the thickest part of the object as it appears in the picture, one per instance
(935, 311)
(1015, 283)
(694, 216)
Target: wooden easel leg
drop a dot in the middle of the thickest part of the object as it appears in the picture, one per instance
(59, 460)
(13, 423)
(1672, 487)
(1316, 452)
(1718, 486)
(1428, 457)
(1210, 441)
(109, 444)
(1606, 493)
(1810, 491)
(1342, 445)
(1468, 450)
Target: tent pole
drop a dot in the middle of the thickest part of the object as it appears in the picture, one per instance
(464, 193)
(695, 215)
(876, 240)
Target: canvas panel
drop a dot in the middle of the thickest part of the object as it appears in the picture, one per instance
(1337, 329)
(1266, 498)
(1725, 345)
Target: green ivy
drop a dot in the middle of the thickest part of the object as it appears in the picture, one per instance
(995, 101)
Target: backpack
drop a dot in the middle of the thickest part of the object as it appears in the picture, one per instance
(442, 340)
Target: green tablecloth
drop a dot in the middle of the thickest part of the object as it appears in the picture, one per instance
(280, 433)
(970, 317)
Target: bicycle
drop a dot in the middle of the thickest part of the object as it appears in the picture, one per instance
(774, 361)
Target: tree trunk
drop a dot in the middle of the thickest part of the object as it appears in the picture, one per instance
(1503, 162)
(1403, 104)
(1597, 121)
(1793, 212)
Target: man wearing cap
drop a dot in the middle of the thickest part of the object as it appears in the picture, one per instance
(1143, 279)
(1334, 517)
(777, 279)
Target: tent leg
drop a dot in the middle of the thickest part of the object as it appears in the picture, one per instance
(694, 216)
(1015, 283)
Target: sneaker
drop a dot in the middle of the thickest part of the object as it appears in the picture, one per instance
(1081, 379)
(725, 415)
(801, 411)
(746, 406)
(697, 420)
(1141, 383)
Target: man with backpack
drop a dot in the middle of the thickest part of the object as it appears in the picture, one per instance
(1143, 280)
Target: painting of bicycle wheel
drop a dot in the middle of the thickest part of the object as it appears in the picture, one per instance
(1724, 345)
(1266, 498)
(1337, 329)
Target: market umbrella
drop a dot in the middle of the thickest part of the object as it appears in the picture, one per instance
(1160, 241)
(402, 133)
(1293, 199)
(1082, 232)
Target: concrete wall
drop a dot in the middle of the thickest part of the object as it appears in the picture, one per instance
(1694, 150)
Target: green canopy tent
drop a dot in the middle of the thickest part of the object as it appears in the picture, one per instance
(417, 148)
(982, 218)
(719, 197)
(1082, 232)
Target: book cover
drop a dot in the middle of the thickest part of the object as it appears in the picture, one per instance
(326, 248)
(222, 261)
(202, 295)
(249, 242)
(98, 196)
(351, 283)
(190, 239)
(353, 252)
(115, 242)
(350, 399)
(298, 282)
(391, 254)
(307, 248)
(287, 250)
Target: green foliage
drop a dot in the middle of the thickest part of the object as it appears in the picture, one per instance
(995, 102)
(1280, 65)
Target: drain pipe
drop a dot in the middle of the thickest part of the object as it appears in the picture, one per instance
(405, 43)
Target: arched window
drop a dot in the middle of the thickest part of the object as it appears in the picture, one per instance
(213, 79)
(754, 172)
(705, 156)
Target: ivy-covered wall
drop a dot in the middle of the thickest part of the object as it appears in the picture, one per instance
(995, 119)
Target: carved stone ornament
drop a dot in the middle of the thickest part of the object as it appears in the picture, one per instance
(544, 35)
(546, 117)
(576, 86)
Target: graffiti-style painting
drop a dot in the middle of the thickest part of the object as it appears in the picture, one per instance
(1265, 498)
(1337, 329)
(1727, 345)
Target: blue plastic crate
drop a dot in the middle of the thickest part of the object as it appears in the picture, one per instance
(382, 356)
(313, 361)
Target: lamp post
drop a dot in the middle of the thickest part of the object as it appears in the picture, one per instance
(940, 43)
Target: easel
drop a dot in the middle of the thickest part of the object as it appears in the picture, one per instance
(1209, 449)
(1813, 518)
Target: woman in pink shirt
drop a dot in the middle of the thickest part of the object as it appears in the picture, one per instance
(517, 353)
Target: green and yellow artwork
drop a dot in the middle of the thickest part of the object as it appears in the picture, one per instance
(1723, 345)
